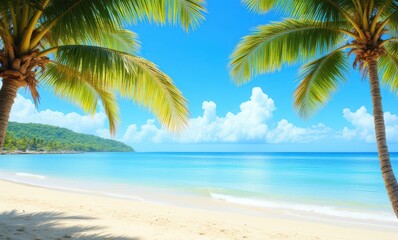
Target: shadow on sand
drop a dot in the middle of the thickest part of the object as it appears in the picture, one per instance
(43, 226)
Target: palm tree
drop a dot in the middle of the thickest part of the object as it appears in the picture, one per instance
(326, 30)
(81, 50)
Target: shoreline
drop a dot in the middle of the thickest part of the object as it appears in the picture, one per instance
(210, 201)
(38, 152)
(43, 152)
(148, 220)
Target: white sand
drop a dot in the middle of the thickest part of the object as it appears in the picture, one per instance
(28, 212)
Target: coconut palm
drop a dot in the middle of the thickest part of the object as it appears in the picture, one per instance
(322, 34)
(81, 50)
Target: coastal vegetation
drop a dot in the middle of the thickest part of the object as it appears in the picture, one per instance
(82, 51)
(324, 34)
(45, 138)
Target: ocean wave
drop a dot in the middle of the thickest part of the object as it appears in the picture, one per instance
(56, 184)
(29, 175)
(36, 180)
(322, 210)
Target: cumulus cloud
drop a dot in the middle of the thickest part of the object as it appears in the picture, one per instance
(246, 125)
(286, 132)
(363, 126)
(25, 111)
(148, 132)
(250, 124)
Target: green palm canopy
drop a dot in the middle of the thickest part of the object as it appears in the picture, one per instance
(322, 34)
(81, 49)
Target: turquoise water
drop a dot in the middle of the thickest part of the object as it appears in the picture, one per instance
(337, 184)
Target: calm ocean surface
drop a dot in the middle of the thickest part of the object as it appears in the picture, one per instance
(334, 184)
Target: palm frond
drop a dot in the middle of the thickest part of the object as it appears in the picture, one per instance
(319, 10)
(271, 46)
(121, 40)
(80, 20)
(6, 4)
(393, 21)
(118, 39)
(81, 89)
(385, 7)
(134, 78)
(261, 6)
(188, 13)
(5, 24)
(320, 79)
(388, 66)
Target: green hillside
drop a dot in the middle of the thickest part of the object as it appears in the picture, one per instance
(39, 137)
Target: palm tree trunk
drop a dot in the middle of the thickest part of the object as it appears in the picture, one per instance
(8, 92)
(388, 175)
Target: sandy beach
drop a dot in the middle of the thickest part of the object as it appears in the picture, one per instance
(28, 212)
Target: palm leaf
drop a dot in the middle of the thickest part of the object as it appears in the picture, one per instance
(393, 20)
(262, 6)
(133, 77)
(81, 89)
(385, 7)
(388, 65)
(188, 13)
(81, 20)
(5, 31)
(121, 40)
(117, 39)
(270, 46)
(320, 79)
(320, 10)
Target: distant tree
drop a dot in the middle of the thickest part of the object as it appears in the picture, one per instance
(39, 137)
(23, 144)
(10, 142)
(33, 145)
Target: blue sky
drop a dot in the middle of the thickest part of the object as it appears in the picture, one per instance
(197, 62)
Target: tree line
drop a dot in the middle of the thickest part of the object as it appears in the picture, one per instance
(45, 138)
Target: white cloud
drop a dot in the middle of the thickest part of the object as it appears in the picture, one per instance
(25, 111)
(286, 132)
(250, 124)
(363, 126)
(148, 132)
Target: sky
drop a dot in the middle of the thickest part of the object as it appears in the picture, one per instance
(256, 117)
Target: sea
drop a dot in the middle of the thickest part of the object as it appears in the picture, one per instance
(342, 186)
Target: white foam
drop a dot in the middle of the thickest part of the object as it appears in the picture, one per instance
(36, 180)
(21, 174)
(114, 195)
(323, 210)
